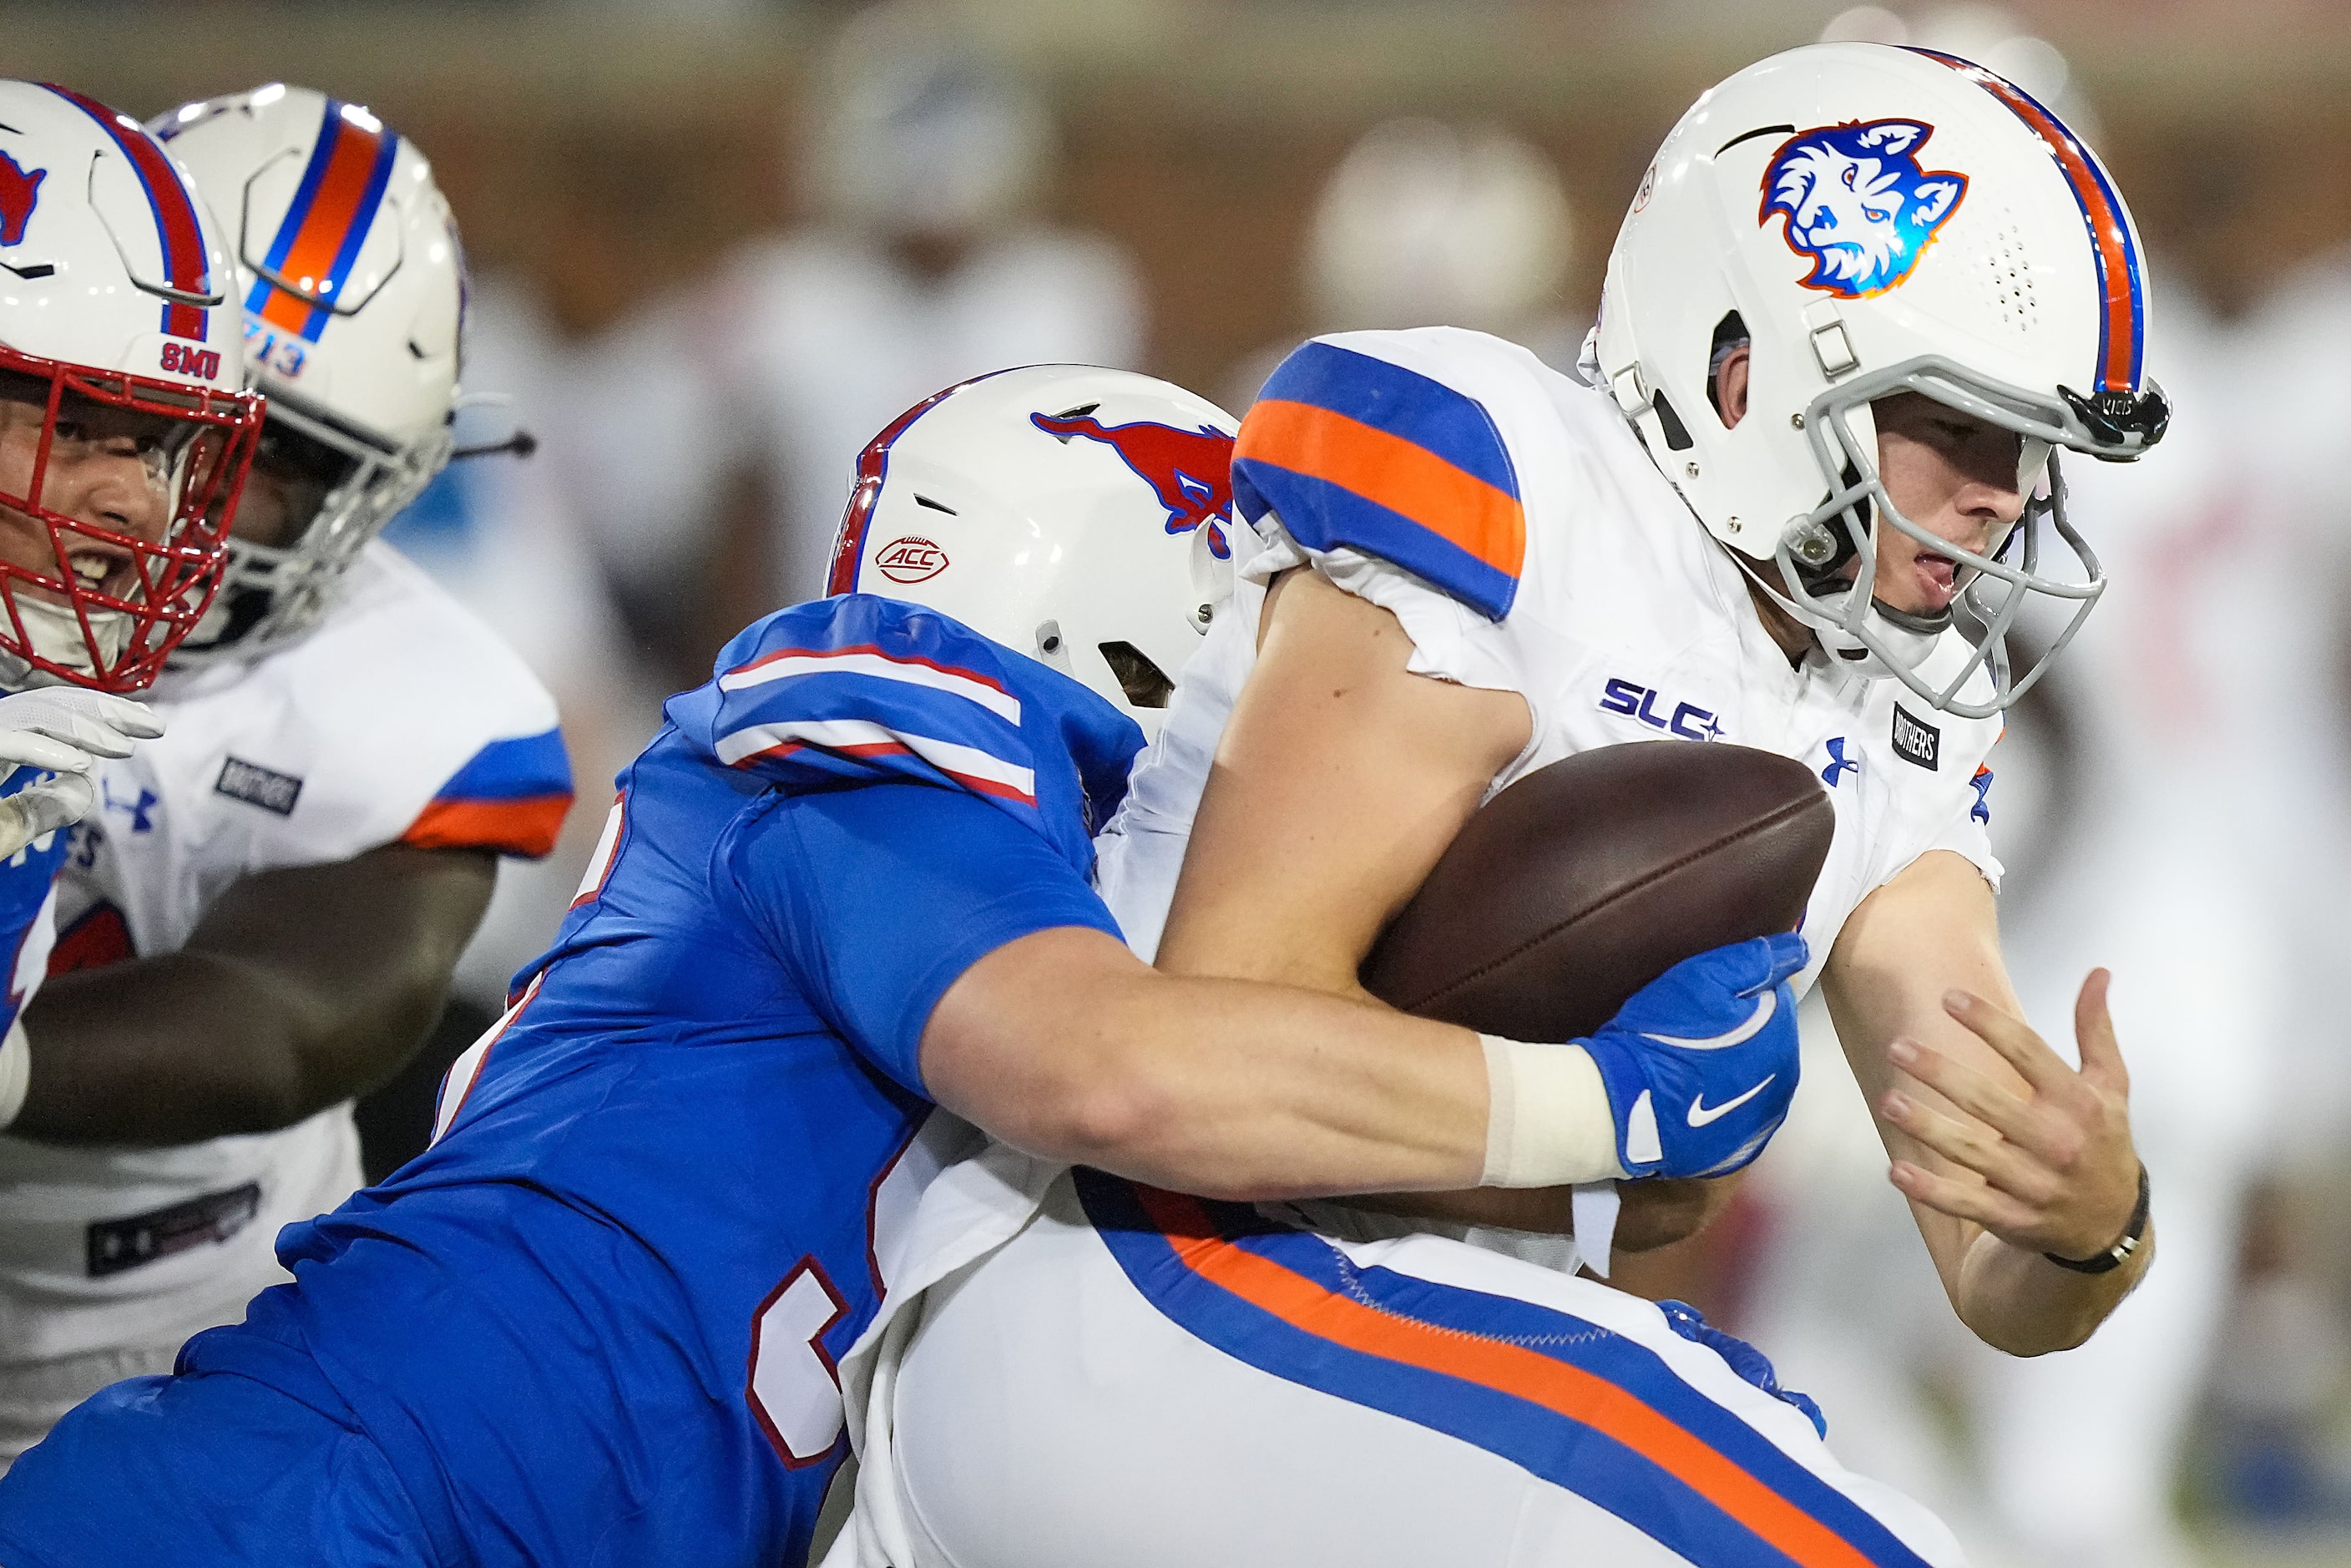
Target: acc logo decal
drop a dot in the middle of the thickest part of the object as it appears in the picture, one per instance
(910, 559)
(1858, 203)
(18, 194)
(1191, 471)
(1687, 720)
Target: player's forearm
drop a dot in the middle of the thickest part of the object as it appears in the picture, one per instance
(2018, 1301)
(1254, 1091)
(1065, 1045)
(189, 1046)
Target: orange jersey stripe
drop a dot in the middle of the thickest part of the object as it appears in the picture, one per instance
(526, 827)
(1510, 1369)
(1390, 471)
(332, 211)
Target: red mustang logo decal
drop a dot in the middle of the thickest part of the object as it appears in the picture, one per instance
(1191, 471)
(18, 192)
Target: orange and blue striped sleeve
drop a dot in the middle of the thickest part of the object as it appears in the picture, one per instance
(1350, 450)
(511, 797)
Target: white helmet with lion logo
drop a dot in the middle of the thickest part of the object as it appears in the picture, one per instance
(1874, 220)
(1075, 514)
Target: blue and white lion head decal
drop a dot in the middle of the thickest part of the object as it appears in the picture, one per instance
(1858, 203)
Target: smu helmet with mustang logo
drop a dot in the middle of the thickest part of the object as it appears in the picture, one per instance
(118, 340)
(1075, 514)
(1871, 221)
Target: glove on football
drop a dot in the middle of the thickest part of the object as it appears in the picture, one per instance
(61, 730)
(1699, 1066)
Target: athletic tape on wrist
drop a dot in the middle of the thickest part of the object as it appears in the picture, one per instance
(1546, 1117)
(15, 1072)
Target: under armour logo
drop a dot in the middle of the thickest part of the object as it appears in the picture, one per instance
(1839, 764)
(137, 810)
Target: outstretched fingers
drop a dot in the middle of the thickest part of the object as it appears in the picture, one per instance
(1962, 1196)
(2014, 1038)
(2094, 1032)
(1972, 1148)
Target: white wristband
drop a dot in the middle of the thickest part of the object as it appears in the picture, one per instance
(1546, 1117)
(15, 1072)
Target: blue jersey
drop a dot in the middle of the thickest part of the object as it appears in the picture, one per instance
(28, 919)
(595, 1321)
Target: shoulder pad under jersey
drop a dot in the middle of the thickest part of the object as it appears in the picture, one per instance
(1352, 450)
(858, 689)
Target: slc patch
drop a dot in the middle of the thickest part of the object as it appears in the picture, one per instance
(1858, 204)
(258, 786)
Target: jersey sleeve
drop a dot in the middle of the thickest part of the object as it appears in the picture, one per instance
(1352, 450)
(877, 899)
(1377, 458)
(859, 690)
(1967, 832)
(511, 797)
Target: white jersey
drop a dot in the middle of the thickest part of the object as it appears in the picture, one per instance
(399, 719)
(1603, 603)
(1511, 521)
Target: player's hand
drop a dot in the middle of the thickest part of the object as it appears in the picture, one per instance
(1699, 1066)
(2049, 1171)
(63, 731)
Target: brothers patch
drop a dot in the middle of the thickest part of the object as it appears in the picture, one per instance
(1915, 740)
(258, 786)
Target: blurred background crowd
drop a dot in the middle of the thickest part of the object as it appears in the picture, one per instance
(717, 243)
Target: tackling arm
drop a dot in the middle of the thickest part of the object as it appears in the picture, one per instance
(1317, 825)
(1065, 1044)
(2003, 1150)
(300, 989)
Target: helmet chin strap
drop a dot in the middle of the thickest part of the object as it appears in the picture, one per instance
(1902, 638)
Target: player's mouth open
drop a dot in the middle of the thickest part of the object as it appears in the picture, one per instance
(92, 568)
(1938, 579)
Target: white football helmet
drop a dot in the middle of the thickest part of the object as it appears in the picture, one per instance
(118, 340)
(1874, 220)
(1080, 516)
(352, 285)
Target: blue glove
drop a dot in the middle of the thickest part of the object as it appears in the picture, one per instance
(1699, 1066)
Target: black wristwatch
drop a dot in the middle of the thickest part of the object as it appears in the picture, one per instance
(2114, 1257)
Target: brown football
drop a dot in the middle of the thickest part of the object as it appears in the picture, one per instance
(1587, 879)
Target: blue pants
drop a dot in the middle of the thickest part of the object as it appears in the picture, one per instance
(206, 1467)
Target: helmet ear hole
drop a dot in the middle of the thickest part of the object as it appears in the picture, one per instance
(1730, 335)
(1143, 683)
(1677, 435)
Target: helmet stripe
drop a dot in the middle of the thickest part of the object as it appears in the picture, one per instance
(320, 237)
(865, 488)
(2122, 323)
(178, 233)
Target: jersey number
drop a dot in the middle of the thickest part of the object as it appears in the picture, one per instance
(795, 1390)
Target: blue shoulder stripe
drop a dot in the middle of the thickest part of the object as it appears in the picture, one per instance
(1350, 450)
(1386, 396)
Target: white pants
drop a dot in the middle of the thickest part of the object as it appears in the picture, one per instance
(1143, 1379)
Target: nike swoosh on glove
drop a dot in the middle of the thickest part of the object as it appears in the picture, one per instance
(1700, 1065)
(62, 731)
